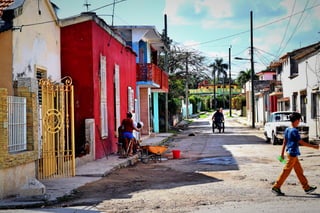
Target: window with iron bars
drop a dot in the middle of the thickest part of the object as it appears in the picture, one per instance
(17, 124)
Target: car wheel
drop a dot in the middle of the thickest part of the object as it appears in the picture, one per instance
(274, 139)
(267, 139)
(280, 141)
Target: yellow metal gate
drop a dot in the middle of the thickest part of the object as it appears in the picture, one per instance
(57, 155)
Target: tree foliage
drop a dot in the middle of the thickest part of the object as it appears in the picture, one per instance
(244, 76)
(219, 69)
(184, 65)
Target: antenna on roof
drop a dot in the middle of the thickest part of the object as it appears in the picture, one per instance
(86, 4)
(114, 4)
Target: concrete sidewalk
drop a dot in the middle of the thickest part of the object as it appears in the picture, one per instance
(61, 188)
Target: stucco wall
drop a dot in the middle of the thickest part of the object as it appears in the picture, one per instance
(82, 45)
(37, 43)
(12, 179)
(307, 79)
(6, 61)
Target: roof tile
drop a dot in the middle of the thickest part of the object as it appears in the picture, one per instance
(4, 4)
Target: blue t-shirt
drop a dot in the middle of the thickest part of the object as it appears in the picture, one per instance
(292, 137)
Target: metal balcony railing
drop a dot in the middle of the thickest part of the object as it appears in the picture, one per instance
(151, 75)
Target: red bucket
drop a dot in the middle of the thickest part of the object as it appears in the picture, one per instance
(176, 154)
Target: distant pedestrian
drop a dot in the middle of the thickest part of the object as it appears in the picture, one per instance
(291, 142)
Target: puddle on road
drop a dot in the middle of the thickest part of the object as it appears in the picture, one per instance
(218, 161)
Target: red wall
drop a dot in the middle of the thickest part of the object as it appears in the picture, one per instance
(81, 46)
(273, 103)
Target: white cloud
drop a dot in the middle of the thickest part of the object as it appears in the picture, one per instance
(172, 9)
(214, 10)
(214, 23)
(218, 9)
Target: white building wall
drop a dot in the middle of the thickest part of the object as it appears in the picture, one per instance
(292, 85)
(37, 43)
(260, 110)
(312, 70)
(308, 78)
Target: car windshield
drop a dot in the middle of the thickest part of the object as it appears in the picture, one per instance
(280, 117)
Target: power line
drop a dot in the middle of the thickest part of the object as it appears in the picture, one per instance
(107, 5)
(28, 25)
(285, 32)
(296, 27)
(258, 27)
(264, 60)
(46, 22)
(266, 52)
(210, 41)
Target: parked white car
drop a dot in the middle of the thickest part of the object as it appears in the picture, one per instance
(278, 122)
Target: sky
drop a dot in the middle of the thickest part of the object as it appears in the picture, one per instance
(212, 27)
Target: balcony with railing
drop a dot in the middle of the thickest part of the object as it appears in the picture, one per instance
(150, 75)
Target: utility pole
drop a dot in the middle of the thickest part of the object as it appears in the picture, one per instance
(214, 89)
(167, 71)
(252, 72)
(186, 87)
(230, 97)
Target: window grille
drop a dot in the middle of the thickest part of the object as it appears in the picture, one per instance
(17, 124)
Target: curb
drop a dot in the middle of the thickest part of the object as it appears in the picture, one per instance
(46, 200)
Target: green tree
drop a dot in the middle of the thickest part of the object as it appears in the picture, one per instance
(244, 76)
(218, 68)
(184, 66)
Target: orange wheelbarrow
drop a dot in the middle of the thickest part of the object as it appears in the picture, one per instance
(152, 152)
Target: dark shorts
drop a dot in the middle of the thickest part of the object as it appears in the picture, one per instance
(128, 135)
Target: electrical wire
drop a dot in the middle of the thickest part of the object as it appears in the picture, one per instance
(264, 60)
(258, 27)
(198, 44)
(210, 41)
(286, 30)
(56, 20)
(265, 52)
(107, 5)
(296, 27)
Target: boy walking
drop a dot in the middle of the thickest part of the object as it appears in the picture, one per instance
(291, 143)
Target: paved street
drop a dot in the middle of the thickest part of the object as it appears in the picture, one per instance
(231, 172)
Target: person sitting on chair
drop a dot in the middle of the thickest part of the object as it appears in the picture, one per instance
(128, 127)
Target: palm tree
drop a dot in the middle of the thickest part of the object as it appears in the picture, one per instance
(220, 68)
(243, 77)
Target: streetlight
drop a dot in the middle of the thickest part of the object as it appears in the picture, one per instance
(252, 88)
(252, 71)
(239, 58)
(230, 96)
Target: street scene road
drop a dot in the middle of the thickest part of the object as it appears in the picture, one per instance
(216, 172)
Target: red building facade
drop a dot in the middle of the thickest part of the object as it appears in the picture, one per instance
(103, 70)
